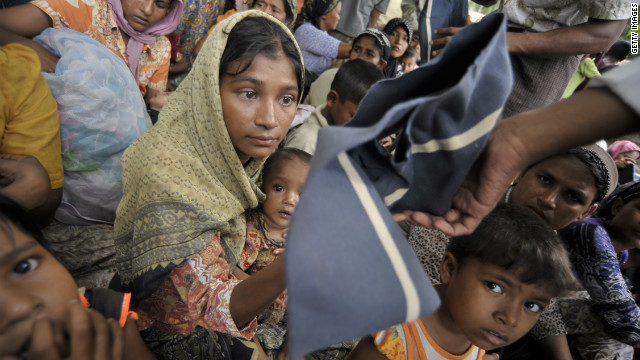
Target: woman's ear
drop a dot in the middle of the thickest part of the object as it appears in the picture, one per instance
(617, 205)
(382, 65)
(448, 267)
(588, 213)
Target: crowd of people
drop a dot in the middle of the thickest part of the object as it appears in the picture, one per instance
(153, 153)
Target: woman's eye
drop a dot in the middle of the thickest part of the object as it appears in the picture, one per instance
(533, 307)
(287, 100)
(278, 188)
(573, 197)
(248, 94)
(494, 287)
(544, 179)
(162, 5)
(25, 266)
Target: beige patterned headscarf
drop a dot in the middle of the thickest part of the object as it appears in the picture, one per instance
(182, 180)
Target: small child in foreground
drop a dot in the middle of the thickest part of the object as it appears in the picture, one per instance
(283, 177)
(495, 284)
(42, 314)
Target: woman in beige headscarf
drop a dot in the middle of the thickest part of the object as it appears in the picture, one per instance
(188, 181)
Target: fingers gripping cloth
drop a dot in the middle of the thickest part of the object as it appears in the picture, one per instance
(350, 271)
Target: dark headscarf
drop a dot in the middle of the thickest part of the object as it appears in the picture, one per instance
(382, 41)
(395, 22)
(626, 192)
(312, 10)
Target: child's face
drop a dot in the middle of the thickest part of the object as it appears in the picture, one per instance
(399, 41)
(274, 8)
(625, 225)
(409, 63)
(142, 14)
(340, 112)
(259, 104)
(283, 187)
(560, 190)
(487, 304)
(34, 285)
(365, 49)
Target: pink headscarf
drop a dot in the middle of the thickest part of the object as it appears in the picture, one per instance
(165, 26)
(622, 146)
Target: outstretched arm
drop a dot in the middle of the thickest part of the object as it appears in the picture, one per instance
(523, 139)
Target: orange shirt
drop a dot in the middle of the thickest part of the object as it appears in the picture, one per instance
(95, 19)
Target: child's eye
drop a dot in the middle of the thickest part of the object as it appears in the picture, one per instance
(533, 307)
(287, 100)
(494, 287)
(278, 188)
(162, 4)
(544, 179)
(25, 266)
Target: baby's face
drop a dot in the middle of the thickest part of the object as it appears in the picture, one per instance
(409, 63)
(283, 187)
(490, 305)
(34, 286)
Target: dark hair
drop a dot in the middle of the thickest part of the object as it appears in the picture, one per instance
(258, 35)
(313, 10)
(11, 213)
(380, 39)
(516, 239)
(627, 192)
(280, 155)
(619, 50)
(354, 78)
(411, 52)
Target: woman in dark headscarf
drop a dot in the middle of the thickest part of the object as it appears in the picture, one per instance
(318, 47)
(399, 31)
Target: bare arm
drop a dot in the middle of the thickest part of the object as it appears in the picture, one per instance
(591, 37)
(343, 50)
(555, 347)
(48, 61)
(523, 139)
(25, 20)
(366, 350)
(373, 19)
(253, 294)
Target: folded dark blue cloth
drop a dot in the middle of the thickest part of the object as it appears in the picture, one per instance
(350, 270)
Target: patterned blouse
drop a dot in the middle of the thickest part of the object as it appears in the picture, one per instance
(95, 19)
(198, 292)
(597, 266)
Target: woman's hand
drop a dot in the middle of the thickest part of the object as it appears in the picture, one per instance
(24, 179)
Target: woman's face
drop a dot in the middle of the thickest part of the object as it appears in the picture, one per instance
(332, 18)
(399, 41)
(275, 8)
(560, 190)
(142, 14)
(259, 104)
(625, 225)
(34, 286)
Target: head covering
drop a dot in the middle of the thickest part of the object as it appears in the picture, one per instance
(443, 112)
(626, 192)
(602, 162)
(381, 40)
(165, 26)
(312, 10)
(395, 22)
(622, 146)
(182, 180)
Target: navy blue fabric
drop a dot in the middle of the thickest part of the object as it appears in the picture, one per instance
(443, 13)
(343, 277)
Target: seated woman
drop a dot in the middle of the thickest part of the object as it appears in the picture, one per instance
(400, 33)
(187, 182)
(138, 39)
(626, 154)
(318, 47)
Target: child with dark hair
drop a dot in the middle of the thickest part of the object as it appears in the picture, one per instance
(400, 33)
(495, 284)
(371, 45)
(42, 312)
(352, 81)
(409, 60)
(283, 177)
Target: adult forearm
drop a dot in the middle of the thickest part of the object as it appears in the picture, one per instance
(254, 294)
(588, 38)
(373, 19)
